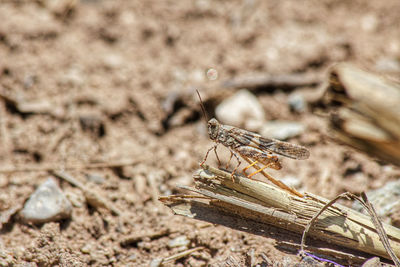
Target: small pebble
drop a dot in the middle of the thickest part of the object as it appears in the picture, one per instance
(387, 65)
(310, 261)
(132, 257)
(96, 178)
(93, 124)
(112, 61)
(239, 108)
(156, 262)
(86, 249)
(46, 204)
(281, 130)
(180, 241)
(73, 77)
(296, 102)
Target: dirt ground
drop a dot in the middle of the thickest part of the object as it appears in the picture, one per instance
(93, 81)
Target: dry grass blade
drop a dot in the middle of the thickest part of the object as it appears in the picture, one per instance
(379, 228)
(92, 197)
(181, 254)
(374, 217)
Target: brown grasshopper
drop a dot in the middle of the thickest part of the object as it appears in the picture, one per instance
(253, 148)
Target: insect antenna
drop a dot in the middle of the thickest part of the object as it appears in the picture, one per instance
(202, 106)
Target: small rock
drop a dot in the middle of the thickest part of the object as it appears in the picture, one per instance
(180, 241)
(112, 61)
(96, 178)
(6, 258)
(46, 204)
(73, 77)
(93, 124)
(310, 261)
(156, 262)
(281, 130)
(369, 23)
(86, 249)
(296, 102)
(197, 76)
(387, 65)
(132, 257)
(240, 108)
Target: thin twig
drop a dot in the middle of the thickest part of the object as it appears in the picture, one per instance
(181, 255)
(379, 227)
(315, 217)
(374, 218)
(91, 196)
(53, 167)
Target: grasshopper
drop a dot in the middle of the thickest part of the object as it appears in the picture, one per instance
(253, 148)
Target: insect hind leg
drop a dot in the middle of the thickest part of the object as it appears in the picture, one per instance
(249, 166)
(257, 171)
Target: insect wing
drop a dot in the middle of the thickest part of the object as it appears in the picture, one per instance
(279, 147)
(283, 148)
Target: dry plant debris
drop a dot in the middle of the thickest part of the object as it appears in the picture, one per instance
(254, 201)
(365, 111)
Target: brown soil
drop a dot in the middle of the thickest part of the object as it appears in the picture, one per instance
(87, 81)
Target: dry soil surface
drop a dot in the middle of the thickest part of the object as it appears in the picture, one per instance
(110, 82)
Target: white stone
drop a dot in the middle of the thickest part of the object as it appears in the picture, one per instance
(240, 108)
(46, 204)
(281, 130)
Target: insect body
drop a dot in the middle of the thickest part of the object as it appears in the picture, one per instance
(253, 146)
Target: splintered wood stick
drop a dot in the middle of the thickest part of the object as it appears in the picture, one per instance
(364, 111)
(256, 201)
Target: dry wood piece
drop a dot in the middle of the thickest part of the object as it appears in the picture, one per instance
(366, 111)
(254, 206)
(291, 80)
(374, 218)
